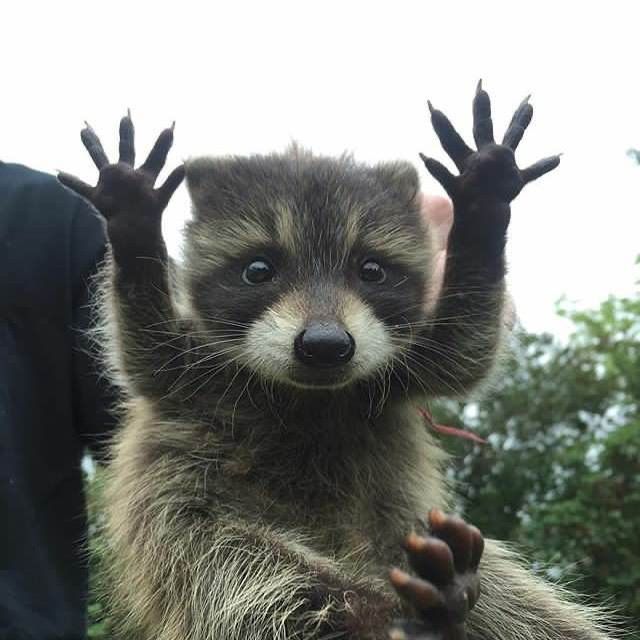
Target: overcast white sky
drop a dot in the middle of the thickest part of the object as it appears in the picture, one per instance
(242, 77)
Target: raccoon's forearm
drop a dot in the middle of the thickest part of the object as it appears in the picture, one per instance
(150, 344)
(516, 604)
(459, 343)
(239, 582)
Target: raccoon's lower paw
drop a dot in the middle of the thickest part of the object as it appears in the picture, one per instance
(125, 196)
(446, 586)
(490, 174)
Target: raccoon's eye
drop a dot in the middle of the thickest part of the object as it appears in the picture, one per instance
(372, 271)
(258, 271)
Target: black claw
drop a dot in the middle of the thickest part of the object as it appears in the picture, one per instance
(479, 86)
(431, 109)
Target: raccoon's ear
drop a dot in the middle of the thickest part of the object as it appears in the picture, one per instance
(200, 178)
(209, 183)
(401, 178)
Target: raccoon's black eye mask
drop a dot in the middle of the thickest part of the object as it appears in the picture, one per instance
(260, 270)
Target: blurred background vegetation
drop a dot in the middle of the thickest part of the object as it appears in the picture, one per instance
(560, 472)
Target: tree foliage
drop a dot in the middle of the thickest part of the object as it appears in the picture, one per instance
(560, 474)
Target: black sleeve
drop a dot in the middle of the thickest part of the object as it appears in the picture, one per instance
(94, 396)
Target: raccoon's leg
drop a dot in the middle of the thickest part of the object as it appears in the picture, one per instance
(459, 342)
(448, 585)
(152, 343)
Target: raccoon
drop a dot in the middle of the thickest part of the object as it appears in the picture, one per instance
(272, 459)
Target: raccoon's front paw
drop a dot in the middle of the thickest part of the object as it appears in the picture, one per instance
(489, 177)
(447, 585)
(125, 196)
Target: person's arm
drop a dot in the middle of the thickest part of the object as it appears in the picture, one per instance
(93, 395)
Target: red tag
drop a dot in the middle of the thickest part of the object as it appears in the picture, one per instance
(449, 431)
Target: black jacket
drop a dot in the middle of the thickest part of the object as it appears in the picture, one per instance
(52, 402)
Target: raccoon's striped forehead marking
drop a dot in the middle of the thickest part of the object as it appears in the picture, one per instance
(286, 231)
(398, 243)
(320, 211)
(247, 230)
(233, 237)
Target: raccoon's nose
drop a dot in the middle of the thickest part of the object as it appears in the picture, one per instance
(324, 344)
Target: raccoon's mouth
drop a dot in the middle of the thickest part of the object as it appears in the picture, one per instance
(307, 378)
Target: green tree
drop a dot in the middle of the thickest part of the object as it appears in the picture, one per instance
(560, 473)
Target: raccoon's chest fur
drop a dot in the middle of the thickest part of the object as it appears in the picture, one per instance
(353, 494)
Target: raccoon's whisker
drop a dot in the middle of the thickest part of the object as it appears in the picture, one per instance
(225, 321)
(189, 370)
(383, 388)
(211, 371)
(214, 355)
(174, 321)
(411, 373)
(442, 350)
(436, 321)
(368, 384)
(235, 405)
(224, 393)
(184, 352)
(403, 384)
(387, 376)
(405, 309)
(208, 375)
(433, 372)
(438, 347)
(415, 375)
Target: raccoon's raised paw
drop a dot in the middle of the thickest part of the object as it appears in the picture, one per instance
(490, 173)
(446, 586)
(125, 196)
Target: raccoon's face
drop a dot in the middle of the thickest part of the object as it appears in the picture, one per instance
(303, 270)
